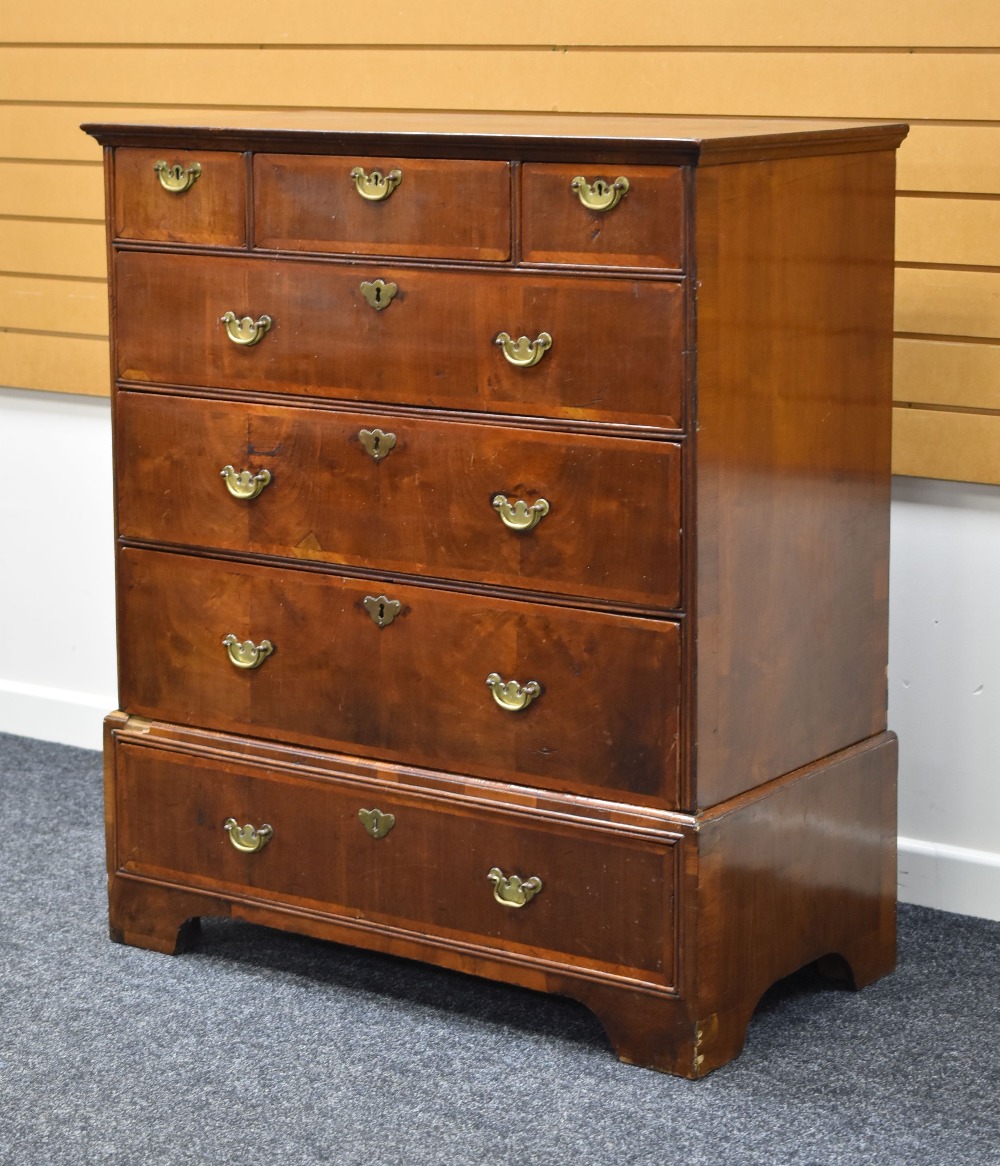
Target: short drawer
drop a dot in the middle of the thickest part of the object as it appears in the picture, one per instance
(179, 196)
(563, 698)
(595, 517)
(546, 345)
(599, 896)
(628, 217)
(427, 208)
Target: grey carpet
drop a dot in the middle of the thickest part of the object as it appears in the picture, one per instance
(265, 1047)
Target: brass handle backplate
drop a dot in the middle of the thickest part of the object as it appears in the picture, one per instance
(177, 178)
(244, 484)
(511, 890)
(375, 187)
(519, 515)
(247, 654)
(376, 823)
(246, 331)
(510, 695)
(600, 195)
(524, 352)
(246, 839)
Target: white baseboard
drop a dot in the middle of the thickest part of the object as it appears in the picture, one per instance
(53, 714)
(950, 878)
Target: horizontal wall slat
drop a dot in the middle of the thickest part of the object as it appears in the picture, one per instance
(950, 158)
(43, 248)
(933, 443)
(711, 22)
(948, 303)
(880, 85)
(58, 364)
(959, 232)
(948, 373)
(52, 190)
(54, 305)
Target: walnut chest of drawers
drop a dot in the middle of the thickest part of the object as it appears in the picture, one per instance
(502, 527)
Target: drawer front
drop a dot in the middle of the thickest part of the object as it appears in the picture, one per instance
(212, 210)
(434, 345)
(645, 228)
(404, 677)
(406, 495)
(440, 209)
(606, 898)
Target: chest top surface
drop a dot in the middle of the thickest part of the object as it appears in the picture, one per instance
(548, 136)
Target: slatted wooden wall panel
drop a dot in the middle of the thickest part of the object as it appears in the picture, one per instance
(936, 66)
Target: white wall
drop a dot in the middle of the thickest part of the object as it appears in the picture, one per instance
(944, 692)
(57, 629)
(57, 656)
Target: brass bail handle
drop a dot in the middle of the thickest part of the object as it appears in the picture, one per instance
(246, 839)
(375, 187)
(511, 696)
(512, 890)
(244, 484)
(245, 653)
(177, 178)
(246, 331)
(600, 195)
(519, 515)
(524, 352)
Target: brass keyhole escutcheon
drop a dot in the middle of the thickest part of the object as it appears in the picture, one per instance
(378, 294)
(376, 823)
(377, 443)
(600, 195)
(382, 609)
(177, 178)
(375, 187)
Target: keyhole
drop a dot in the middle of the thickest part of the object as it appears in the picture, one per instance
(381, 612)
(376, 442)
(378, 295)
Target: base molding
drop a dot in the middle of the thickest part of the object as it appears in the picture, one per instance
(949, 878)
(671, 945)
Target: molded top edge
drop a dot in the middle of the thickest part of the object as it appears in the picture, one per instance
(529, 136)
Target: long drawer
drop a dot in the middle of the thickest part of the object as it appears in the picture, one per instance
(437, 339)
(602, 896)
(594, 517)
(515, 691)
